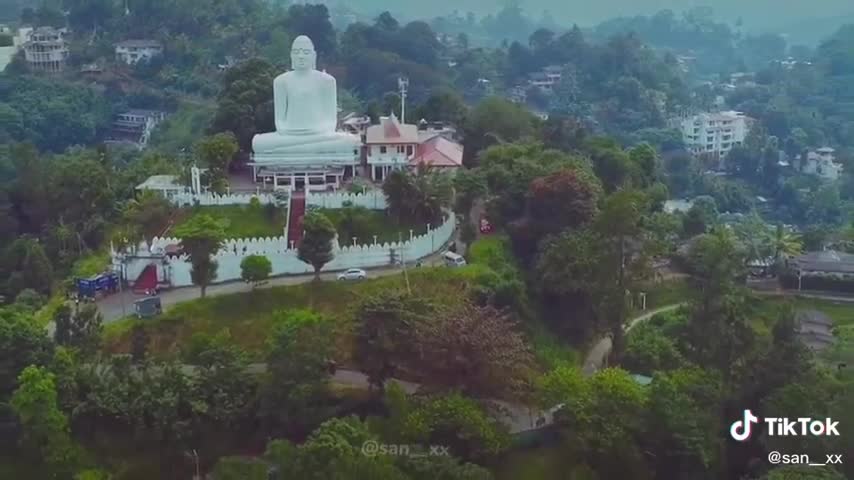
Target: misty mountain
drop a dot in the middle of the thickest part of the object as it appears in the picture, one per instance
(760, 15)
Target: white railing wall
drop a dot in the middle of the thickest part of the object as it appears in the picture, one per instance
(373, 200)
(207, 199)
(176, 270)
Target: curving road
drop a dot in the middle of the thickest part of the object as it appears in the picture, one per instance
(595, 358)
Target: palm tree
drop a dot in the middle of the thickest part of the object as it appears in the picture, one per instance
(754, 236)
(786, 244)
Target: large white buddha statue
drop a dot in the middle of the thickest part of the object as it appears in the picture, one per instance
(305, 102)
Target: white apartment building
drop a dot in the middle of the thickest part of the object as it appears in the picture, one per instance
(713, 134)
(547, 78)
(133, 51)
(134, 127)
(822, 163)
(389, 146)
(46, 50)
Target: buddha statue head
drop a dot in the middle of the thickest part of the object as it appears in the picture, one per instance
(303, 56)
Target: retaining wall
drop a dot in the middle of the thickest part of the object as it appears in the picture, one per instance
(176, 270)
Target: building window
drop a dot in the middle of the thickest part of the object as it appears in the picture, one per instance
(400, 149)
(383, 149)
(409, 149)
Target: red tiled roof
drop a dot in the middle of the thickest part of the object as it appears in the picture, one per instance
(438, 152)
(390, 130)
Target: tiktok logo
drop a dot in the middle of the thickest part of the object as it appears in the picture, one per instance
(740, 429)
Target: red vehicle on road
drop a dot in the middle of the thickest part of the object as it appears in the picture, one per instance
(485, 226)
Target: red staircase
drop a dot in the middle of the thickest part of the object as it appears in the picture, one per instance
(297, 215)
(147, 280)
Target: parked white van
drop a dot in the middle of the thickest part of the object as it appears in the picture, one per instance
(454, 260)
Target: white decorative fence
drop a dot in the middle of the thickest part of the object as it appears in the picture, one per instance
(373, 200)
(176, 270)
(208, 199)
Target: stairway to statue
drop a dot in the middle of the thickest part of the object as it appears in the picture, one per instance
(295, 220)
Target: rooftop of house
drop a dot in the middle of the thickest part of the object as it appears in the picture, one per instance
(138, 112)
(438, 151)
(140, 44)
(828, 261)
(160, 182)
(390, 130)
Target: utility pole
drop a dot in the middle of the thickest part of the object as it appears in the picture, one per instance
(403, 263)
(403, 85)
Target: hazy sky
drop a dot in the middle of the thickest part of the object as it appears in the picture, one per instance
(757, 14)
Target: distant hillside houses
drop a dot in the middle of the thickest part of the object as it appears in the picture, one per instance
(132, 51)
(134, 127)
(821, 163)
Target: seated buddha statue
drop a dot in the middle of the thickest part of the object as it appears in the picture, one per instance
(305, 104)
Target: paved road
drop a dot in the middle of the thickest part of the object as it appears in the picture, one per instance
(597, 355)
(599, 352)
(111, 307)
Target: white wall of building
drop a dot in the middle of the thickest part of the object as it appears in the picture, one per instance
(176, 270)
(713, 133)
(131, 55)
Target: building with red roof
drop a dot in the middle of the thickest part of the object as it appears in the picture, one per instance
(389, 146)
(440, 153)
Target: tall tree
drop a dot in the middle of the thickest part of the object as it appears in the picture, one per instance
(495, 121)
(201, 238)
(46, 429)
(476, 350)
(150, 213)
(245, 103)
(313, 21)
(625, 260)
(315, 248)
(603, 417)
(216, 152)
(79, 328)
(297, 369)
(386, 333)
(22, 343)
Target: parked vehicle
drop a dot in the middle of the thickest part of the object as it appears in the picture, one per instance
(147, 307)
(353, 274)
(453, 259)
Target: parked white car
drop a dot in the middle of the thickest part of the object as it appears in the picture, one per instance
(353, 274)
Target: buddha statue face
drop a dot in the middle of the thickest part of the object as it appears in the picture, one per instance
(303, 56)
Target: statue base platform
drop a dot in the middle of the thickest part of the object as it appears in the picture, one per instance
(349, 156)
(297, 178)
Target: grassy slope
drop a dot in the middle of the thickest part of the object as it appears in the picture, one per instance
(373, 222)
(493, 251)
(248, 316)
(243, 221)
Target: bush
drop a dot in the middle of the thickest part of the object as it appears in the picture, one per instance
(255, 269)
(254, 203)
(649, 350)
